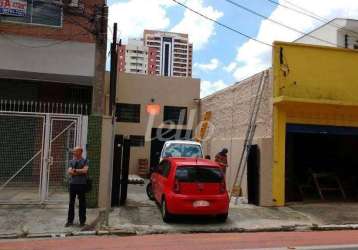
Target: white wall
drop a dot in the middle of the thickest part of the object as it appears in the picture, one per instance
(327, 32)
(333, 33)
(30, 54)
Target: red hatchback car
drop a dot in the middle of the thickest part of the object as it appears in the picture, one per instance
(190, 186)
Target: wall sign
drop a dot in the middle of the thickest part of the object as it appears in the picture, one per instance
(13, 7)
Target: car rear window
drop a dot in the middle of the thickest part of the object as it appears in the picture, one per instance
(199, 174)
(183, 150)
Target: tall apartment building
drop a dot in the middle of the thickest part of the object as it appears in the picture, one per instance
(174, 55)
(136, 58)
(158, 53)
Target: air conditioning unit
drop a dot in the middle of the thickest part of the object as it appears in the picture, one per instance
(71, 3)
(74, 3)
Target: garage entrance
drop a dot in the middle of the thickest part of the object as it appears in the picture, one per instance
(321, 163)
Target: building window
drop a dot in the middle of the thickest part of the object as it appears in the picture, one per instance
(41, 12)
(176, 115)
(166, 60)
(137, 140)
(126, 112)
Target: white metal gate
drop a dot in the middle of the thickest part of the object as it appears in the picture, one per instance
(34, 152)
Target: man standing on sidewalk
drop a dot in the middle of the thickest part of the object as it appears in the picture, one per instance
(78, 169)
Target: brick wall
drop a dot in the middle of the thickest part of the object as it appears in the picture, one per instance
(230, 117)
(152, 54)
(94, 156)
(71, 25)
(121, 65)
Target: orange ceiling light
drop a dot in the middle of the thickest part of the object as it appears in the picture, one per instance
(153, 109)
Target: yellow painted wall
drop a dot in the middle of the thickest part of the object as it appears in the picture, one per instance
(315, 72)
(312, 85)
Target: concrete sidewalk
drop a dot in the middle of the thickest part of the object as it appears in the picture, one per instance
(39, 221)
(142, 216)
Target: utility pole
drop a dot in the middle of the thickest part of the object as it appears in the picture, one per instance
(112, 102)
(101, 17)
(113, 73)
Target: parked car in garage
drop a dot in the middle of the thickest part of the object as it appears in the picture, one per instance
(190, 186)
(181, 148)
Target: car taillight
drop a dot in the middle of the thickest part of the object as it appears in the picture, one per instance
(176, 187)
(222, 187)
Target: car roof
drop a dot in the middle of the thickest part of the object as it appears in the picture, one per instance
(182, 161)
(182, 142)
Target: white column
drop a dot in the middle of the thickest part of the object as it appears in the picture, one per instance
(45, 160)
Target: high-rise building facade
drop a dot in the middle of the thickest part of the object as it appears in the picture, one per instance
(174, 53)
(136, 58)
(158, 53)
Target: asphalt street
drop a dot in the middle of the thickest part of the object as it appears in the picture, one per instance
(228, 241)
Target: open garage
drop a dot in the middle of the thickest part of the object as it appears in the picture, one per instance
(321, 163)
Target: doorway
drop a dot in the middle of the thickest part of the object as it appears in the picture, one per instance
(121, 156)
(253, 175)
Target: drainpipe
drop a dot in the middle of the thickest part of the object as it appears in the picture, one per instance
(346, 41)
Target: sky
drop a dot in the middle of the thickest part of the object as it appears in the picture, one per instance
(222, 57)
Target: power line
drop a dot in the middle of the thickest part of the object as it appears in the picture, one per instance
(325, 20)
(310, 14)
(279, 23)
(221, 24)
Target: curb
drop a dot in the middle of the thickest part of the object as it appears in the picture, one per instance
(8, 236)
(139, 231)
(116, 232)
(334, 227)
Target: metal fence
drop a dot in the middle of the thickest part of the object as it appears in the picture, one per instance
(44, 107)
(34, 152)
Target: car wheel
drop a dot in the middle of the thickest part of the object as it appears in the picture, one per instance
(166, 216)
(149, 190)
(222, 217)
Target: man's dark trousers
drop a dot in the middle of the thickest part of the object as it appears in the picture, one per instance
(80, 191)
